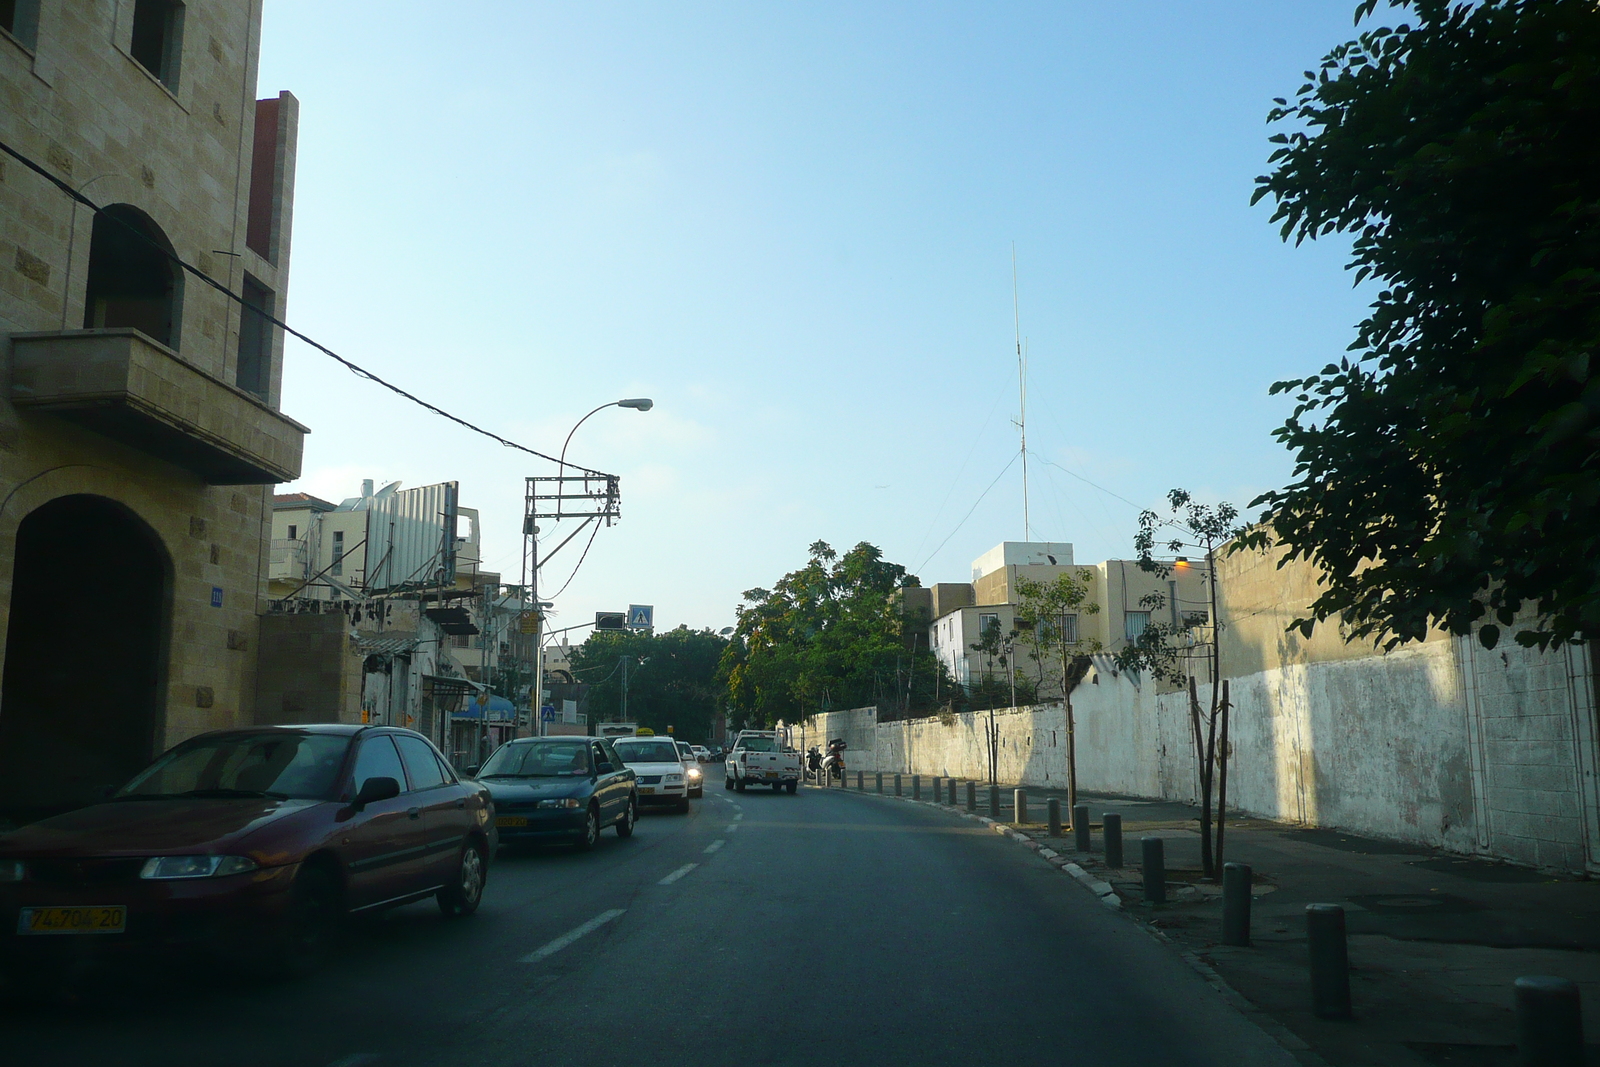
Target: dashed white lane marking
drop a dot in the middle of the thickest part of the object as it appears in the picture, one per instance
(572, 935)
(739, 816)
(732, 826)
(355, 1059)
(679, 873)
(718, 843)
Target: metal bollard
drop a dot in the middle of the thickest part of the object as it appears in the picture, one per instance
(1019, 801)
(897, 786)
(861, 781)
(880, 783)
(1549, 1022)
(1080, 828)
(1330, 961)
(1113, 835)
(916, 787)
(1052, 809)
(938, 790)
(1155, 870)
(1236, 904)
(994, 802)
(972, 796)
(950, 795)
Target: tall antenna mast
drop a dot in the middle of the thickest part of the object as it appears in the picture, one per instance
(1022, 394)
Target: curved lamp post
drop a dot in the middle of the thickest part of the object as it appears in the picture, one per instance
(637, 404)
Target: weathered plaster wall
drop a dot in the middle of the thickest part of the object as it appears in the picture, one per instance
(1440, 744)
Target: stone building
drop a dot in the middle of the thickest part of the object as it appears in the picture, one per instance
(140, 434)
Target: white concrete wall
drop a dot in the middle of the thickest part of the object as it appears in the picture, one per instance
(1442, 744)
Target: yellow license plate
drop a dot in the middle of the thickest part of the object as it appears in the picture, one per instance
(772, 774)
(646, 790)
(95, 919)
(511, 820)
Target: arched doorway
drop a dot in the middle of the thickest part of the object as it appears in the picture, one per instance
(82, 699)
(132, 282)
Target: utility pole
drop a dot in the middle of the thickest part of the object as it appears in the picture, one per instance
(624, 665)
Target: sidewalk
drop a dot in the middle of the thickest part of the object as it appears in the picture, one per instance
(1435, 939)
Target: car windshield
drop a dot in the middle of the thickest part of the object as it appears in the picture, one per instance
(648, 752)
(538, 759)
(277, 764)
(685, 751)
(758, 744)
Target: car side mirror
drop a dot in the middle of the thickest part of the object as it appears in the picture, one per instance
(604, 768)
(472, 771)
(376, 789)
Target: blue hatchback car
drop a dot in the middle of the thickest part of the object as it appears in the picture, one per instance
(560, 789)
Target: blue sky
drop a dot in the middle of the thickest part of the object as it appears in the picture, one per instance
(791, 226)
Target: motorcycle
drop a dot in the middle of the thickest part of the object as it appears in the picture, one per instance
(813, 763)
(833, 764)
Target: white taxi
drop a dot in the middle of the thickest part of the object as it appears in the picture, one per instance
(658, 768)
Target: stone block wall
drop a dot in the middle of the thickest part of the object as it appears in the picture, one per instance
(310, 670)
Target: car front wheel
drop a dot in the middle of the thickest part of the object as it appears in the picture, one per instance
(309, 927)
(461, 897)
(591, 830)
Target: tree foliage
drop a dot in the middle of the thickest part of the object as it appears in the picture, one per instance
(1059, 655)
(827, 635)
(1446, 472)
(672, 678)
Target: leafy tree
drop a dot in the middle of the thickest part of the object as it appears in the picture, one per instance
(1447, 473)
(827, 635)
(672, 678)
(1043, 614)
(1170, 653)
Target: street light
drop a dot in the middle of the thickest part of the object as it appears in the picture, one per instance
(637, 403)
(537, 703)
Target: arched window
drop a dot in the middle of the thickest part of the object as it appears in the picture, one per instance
(132, 282)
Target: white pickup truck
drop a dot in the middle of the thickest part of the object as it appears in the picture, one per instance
(758, 758)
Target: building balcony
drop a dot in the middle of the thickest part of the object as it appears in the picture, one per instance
(288, 558)
(123, 385)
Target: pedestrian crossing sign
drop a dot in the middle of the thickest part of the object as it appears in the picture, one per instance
(641, 616)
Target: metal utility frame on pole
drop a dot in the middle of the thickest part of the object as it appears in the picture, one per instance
(593, 497)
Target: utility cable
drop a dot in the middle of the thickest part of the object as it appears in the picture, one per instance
(359, 371)
(1014, 457)
(587, 545)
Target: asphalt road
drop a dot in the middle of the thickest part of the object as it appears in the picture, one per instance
(760, 928)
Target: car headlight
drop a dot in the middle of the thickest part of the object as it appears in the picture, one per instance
(168, 868)
(694, 772)
(13, 870)
(674, 778)
(562, 802)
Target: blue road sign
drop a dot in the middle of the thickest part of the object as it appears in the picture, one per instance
(547, 713)
(641, 616)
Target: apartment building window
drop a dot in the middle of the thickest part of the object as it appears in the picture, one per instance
(294, 532)
(338, 554)
(460, 640)
(157, 42)
(1135, 623)
(1069, 628)
(987, 621)
(253, 373)
(20, 18)
(131, 282)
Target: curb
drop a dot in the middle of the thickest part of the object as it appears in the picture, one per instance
(1285, 1038)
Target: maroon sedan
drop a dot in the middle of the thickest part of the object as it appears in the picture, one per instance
(255, 842)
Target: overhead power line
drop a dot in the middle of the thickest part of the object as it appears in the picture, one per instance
(354, 368)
